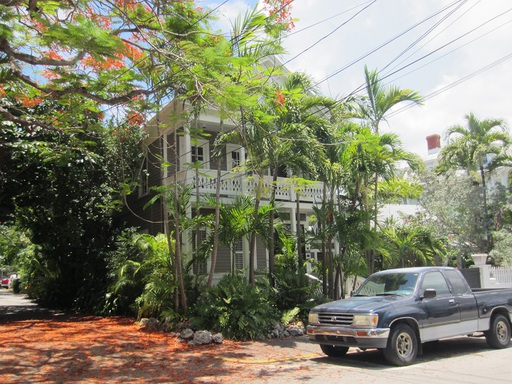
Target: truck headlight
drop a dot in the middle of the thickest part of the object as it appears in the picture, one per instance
(365, 321)
(313, 318)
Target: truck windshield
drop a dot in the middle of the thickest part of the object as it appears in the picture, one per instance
(401, 284)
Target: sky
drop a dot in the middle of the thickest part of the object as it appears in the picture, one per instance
(456, 53)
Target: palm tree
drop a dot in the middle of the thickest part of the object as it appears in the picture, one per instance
(410, 245)
(373, 108)
(367, 155)
(378, 101)
(481, 147)
(252, 40)
(235, 222)
(290, 120)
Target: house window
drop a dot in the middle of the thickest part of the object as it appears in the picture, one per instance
(197, 154)
(235, 159)
(144, 178)
(234, 156)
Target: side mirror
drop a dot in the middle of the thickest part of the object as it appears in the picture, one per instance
(429, 293)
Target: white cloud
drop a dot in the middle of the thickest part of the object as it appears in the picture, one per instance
(486, 94)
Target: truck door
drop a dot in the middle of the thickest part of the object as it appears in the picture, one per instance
(466, 301)
(440, 317)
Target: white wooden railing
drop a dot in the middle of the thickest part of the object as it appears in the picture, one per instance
(233, 184)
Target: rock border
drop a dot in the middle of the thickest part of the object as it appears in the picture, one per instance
(205, 337)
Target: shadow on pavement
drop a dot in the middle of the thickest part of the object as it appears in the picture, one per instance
(443, 349)
(15, 307)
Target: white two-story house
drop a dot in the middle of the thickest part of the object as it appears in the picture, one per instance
(171, 150)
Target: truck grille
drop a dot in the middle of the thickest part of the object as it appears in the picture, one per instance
(335, 318)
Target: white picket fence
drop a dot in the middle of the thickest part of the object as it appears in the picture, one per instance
(502, 275)
(495, 277)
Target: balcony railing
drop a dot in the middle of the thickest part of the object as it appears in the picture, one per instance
(234, 184)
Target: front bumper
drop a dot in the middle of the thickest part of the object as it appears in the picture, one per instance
(348, 337)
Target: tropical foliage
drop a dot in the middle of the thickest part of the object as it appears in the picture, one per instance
(480, 147)
(78, 82)
(239, 310)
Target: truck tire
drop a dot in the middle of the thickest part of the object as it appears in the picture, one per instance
(402, 346)
(498, 336)
(334, 350)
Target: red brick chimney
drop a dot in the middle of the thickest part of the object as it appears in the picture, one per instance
(433, 144)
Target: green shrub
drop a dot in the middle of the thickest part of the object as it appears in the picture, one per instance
(293, 289)
(239, 310)
(16, 286)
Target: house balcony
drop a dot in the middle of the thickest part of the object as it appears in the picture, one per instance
(235, 183)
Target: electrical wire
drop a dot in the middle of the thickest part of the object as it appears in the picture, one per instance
(387, 42)
(455, 83)
(330, 33)
(434, 51)
(425, 34)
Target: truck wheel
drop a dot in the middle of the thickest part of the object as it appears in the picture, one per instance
(498, 336)
(334, 350)
(402, 346)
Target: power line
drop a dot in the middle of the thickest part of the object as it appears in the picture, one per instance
(385, 44)
(453, 50)
(425, 34)
(455, 83)
(325, 20)
(453, 22)
(362, 86)
(330, 33)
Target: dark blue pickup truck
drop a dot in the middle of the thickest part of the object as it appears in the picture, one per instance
(400, 309)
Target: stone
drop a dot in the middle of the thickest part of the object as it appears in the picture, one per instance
(202, 338)
(217, 338)
(187, 334)
(144, 321)
(295, 331)
(152, 324)
(167, 327)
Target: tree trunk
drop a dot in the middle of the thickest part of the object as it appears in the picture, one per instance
(196, 237)
(271, 243)
(216, 227)
(375, 218)
(324, 248)
(252, 246)
(177, 235)
(300, 256)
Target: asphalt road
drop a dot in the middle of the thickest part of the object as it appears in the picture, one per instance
(456, 361)
(19, 307)
(459, 360)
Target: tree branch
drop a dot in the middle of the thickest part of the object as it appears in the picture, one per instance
(31, 59)
(23, 122)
